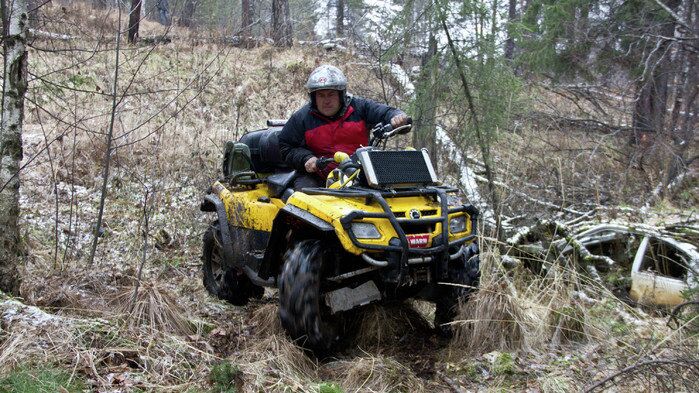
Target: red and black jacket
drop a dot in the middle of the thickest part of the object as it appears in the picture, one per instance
(308, 133)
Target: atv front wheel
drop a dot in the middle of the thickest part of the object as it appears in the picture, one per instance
(231, 285)
(464, 271)
(301, 308)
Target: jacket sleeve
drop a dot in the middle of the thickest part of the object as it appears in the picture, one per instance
(292, 142)
(374, 113)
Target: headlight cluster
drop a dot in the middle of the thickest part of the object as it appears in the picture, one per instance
(365, 230)
(457, 224)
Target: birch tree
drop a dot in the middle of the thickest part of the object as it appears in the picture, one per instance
(15, 20)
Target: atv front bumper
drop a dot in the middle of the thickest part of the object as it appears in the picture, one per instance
(441, 251)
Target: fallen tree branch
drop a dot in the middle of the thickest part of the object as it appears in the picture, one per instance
(529, 198)
(591, 124)
(673, 368)
(676, 310)
(34, 33)
(585, 254)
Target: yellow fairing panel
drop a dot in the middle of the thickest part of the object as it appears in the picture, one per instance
(331, 209)
(252, 209)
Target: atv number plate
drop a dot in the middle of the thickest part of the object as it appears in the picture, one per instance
(419, 240)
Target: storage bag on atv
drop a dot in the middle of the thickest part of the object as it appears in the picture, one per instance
(263, 154)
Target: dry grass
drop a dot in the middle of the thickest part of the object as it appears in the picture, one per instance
(374, 374)
(385, 327)
(492, 320)
(154, 308)
(273, 363)
(265, 321)
(520, 311)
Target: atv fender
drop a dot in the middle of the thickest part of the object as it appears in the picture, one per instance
(213, 203)
(290, 217)
(226, 243)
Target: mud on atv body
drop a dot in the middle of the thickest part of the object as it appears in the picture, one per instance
(384, 231)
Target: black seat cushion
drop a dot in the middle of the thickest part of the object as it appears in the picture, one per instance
(279, 182)
(264, 150)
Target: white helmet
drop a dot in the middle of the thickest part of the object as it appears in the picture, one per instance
(326, 77)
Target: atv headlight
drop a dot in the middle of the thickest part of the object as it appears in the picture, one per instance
(365, 230)
(457, 224)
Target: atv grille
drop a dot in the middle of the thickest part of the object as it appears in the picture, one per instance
(397, 168)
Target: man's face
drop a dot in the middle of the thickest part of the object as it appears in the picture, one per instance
(328, 102)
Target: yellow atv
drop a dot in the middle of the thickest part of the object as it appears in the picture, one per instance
(382, 230)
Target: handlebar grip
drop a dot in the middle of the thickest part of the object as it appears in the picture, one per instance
(322, 162)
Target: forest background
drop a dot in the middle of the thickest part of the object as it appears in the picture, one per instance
(114, 118)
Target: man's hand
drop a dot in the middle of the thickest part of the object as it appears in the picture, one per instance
(311, 165)
(399, 120)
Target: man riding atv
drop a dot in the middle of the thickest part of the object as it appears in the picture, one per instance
(383, 229)
(332, 121)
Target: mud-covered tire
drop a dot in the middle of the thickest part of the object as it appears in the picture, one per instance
(302, 311)
(231, 285)
(463, 271)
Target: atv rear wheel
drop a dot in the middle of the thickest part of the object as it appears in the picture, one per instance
(302, 310)
(231, 285)
(464, 271)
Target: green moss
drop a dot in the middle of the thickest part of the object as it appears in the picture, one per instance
(329, 387)
(620, 328)
(223, 377)
(79, 80)
(504, 364)
(618, 278)
(42, 378)
(471, 371)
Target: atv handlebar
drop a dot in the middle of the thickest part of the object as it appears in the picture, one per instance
(382, 132)
(322, 162)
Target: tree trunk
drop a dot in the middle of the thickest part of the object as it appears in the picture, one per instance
(483, 143)
(187, 13)
(281, 23)
(686, 108)
(409, 31)
(652, 87)
(425, 100)
(511, 20)
(340, 18)
(246, 28)
(14, 88)
(134, 20)
(164, 17)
